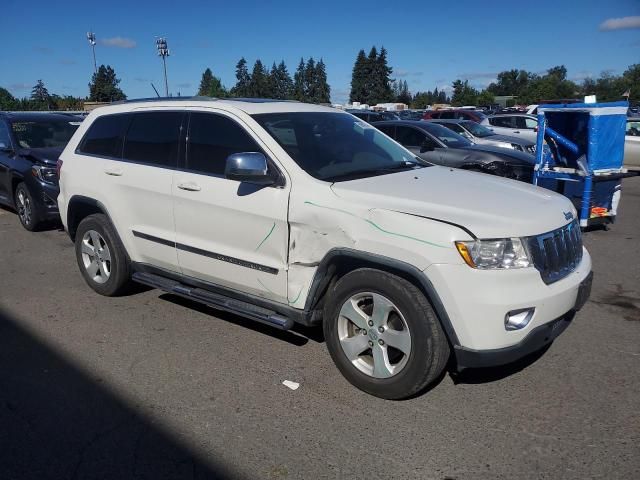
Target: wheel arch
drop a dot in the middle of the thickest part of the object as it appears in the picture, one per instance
(340, 261)
(81, 207)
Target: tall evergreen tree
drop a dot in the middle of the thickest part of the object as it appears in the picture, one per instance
(206, 83)
(310, 87)
(369, 75)
(323, 90)
(299, 92)
(281, 83)
(39, 92)
(259, 84)
(104, 86)
(211, 86)
(241, 88)
(359, 79)
(380, 90)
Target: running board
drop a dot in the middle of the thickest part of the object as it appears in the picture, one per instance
(253, 312)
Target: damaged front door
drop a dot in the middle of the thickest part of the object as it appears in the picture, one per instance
(230, 233)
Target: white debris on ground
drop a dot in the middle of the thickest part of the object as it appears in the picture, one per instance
(291, 385)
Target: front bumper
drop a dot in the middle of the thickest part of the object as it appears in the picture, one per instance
(45, 196)
(476, 303)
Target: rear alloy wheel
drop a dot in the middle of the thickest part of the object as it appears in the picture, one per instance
(383, 334)
(101, 256)
(27, 210)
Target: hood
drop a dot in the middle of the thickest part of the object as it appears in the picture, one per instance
(48, 155)
(513, 156)
(510, 139)
(488, 206)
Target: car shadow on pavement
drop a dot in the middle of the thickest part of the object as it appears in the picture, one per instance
(492, 374)
(58, 421)
(299, 335)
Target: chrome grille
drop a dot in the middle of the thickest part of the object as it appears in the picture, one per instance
(557, 253)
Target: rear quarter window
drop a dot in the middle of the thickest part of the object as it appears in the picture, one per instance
(105, 136)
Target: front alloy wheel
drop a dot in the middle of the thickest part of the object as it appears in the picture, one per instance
(374, 335)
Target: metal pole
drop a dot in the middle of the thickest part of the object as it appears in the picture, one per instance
(166, 85)
(95, 65)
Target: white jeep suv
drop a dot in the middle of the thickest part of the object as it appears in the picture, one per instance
(288, 213)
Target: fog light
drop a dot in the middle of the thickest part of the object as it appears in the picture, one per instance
(518, 319)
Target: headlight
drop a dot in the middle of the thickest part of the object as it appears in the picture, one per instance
(44, 174)
(502, 253)
(515, 146)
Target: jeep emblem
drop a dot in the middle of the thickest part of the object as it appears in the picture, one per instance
(372, 334)
(568, 215)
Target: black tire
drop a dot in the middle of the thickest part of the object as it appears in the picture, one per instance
(28, 212)
(429, 351)
(119, 278)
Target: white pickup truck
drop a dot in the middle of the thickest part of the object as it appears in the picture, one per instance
(288, 213)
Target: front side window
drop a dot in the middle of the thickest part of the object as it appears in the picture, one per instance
(105, 136)
(336, 147)
(530, 123)
(410, 137)
(43, 133)
(212, 138)
(153, 138)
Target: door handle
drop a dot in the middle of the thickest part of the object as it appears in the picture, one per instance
(516, 131)
(114, 172)
(189, 187)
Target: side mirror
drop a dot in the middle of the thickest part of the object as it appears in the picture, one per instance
(426, 147)
(248, 167)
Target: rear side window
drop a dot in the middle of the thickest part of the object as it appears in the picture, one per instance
(506, 122)
(212, 138)
(153, 138)
(410, 137)
(104, 137)
(387, 129)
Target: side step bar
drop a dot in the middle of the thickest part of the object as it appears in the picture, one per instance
(215, 300)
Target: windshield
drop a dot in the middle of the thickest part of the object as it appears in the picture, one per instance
(477, 130)
(40, 134)
(448, 137)
(336, 146)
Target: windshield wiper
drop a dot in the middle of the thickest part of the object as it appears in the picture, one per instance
(374, 171)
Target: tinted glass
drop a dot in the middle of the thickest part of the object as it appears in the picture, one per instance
(447, 115)
(335, 146)
(153, 138)
(506, 122)
(409, 137)
(4, 134)
(530, 123)
(44, 133)
(387, 130)
(105, 136)
(212, 138)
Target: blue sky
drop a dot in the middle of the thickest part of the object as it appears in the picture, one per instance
(430, 43)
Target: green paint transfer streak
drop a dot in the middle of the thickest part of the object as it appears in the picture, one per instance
(273, 293)
(378, 227)
(273, 227)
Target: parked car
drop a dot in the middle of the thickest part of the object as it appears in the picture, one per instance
(632, 143)
(30, 144)
(410, 114)
(285, 212)
(459, 113)
(481, 135)
(367, 115)
(520, 125)
(441, 146)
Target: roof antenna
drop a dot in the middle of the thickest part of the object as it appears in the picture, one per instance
(156, 90)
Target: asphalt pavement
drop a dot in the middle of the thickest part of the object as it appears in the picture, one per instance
(153, 386)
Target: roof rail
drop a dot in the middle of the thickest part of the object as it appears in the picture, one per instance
(162, 99)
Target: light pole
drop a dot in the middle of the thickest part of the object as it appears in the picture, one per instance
(91, 37)
(163, 51)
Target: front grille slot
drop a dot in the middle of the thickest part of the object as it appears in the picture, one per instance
(557, 253)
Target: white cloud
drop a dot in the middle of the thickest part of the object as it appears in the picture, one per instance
(118, 42)
(477, 75)
(622, 23)
(19, 86)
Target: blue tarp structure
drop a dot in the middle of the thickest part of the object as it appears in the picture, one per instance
(580, 149)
